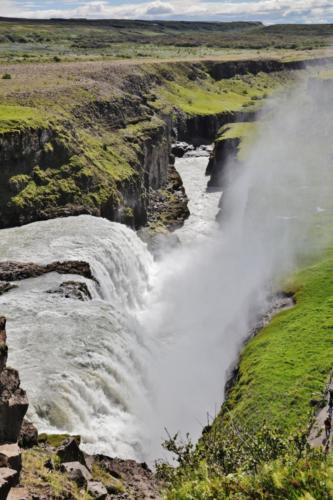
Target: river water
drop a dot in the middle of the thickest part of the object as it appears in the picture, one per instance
(87, 366)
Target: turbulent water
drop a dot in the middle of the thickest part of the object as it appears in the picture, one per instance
(81, 362)
(203, 205)
(153, 346)
(86, 365)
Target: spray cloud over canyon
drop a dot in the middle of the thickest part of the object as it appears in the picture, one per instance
(153, 347)
(275, 207)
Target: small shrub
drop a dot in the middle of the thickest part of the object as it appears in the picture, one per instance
(57, 59)
(7, 76)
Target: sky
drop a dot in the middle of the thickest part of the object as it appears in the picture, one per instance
(267, 11)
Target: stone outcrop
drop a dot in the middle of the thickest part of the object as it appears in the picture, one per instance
(77, 473)
(69, 451)
(97, 490)
(28, 435)
(16, 271)
(225, 151)
(13, 407)
(77, 290)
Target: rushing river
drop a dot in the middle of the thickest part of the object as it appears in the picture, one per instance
(86, 365)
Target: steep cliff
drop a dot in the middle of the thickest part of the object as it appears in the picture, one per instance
(96, 139)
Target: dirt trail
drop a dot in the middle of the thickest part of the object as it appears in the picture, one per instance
(317, 437)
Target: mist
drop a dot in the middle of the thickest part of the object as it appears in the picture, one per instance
(276, 215)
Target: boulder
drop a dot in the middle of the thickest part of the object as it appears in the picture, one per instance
(6, 287)
(10, 456)
(97, 490)
(70, 452)
(76, 472)
(13, 406)
(28, 435)
(10, 476)
(180, 148)
(72, 290)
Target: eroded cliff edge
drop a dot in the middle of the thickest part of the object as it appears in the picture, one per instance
(96, 138)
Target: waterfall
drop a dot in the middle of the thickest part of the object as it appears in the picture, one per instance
(83, 363)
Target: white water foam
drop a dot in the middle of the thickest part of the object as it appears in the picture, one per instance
(83, 363)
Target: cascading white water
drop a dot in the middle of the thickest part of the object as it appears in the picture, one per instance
(83, 363)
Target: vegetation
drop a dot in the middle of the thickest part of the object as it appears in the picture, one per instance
(42, 481)
(284, 369)
(246, 463)
(257, 446)
(55, 40)
(208, 96)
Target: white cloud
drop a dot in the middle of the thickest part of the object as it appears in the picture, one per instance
(265, 10)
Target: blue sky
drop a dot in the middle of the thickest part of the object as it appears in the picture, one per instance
(268, 11)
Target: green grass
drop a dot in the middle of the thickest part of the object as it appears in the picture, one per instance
(288, 363)
(21, 117)
(30, 41)
(205, 97)
(52, 484)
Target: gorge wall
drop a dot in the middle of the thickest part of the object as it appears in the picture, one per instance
(102, 146)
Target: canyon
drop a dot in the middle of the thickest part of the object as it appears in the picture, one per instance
(96, 320)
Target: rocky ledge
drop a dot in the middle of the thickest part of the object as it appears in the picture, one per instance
(13, 407)
(16, 271)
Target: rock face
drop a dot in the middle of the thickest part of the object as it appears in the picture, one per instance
(28, 435)
(69, 451)
(77, 473)
(13, 407)
(138, 478)
(225, 151)
(15, 271)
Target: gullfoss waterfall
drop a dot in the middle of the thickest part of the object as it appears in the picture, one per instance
(153, 346)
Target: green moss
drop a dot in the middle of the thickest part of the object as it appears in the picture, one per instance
(245, 132)
(56, 440)
(288, 363)
(21, 117)
(207, 96)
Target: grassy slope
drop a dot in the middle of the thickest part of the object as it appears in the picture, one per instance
(287, 364)
(235, 94)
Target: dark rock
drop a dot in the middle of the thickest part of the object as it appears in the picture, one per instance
(6, 287)
(76, 472)
(49, 464)
(97, 490)
(9, 478)
(137, 479)
(10, 456)
(180, 148)
(4, 487)
(70, 452)
(13, 406)
(3, 345)
(28, 435)
(72, 290)
(15, 271)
